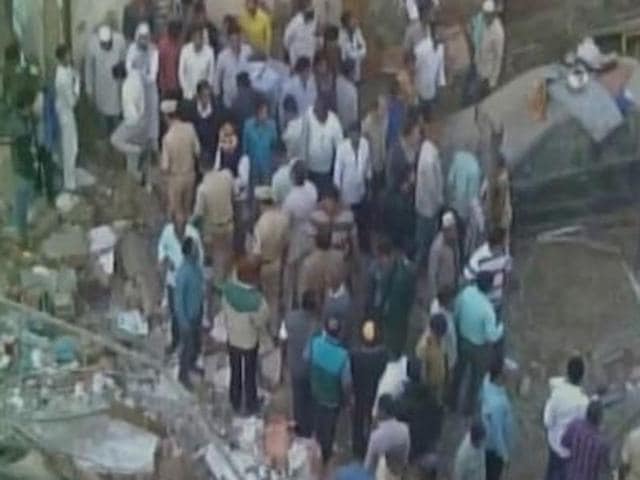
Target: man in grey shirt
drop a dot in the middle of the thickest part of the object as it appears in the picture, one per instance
(299, 327)
(390, 443)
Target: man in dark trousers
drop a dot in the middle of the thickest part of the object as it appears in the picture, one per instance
(299, 326)
(188, 298)
(368, 361)
(330, 373)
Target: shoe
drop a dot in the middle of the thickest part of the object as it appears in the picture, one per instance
(170, 350)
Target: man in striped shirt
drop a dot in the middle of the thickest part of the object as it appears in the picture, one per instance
(492, 257)
(587, 446)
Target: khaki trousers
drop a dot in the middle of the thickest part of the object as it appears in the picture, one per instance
(270, 279)
(180, 189)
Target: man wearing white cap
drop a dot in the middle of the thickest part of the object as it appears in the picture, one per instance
(444, 257)
(143, 56)
(488, 42)
(271, 234)
(180, 152)
(106, 49)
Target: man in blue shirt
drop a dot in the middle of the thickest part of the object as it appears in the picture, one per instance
(478, 331)
(188, 299)
(497, 418)
(259, 138)
(330, 375)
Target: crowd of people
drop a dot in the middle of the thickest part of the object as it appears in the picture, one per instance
(317, 221)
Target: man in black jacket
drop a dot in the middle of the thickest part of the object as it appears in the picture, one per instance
(368, 362)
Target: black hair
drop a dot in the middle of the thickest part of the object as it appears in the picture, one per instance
(279, 147)
(188, 247)
(323, 239)
(202, 84)
(302, 63)
(438, 324)
(345, 18)
(298, 173)
(196, 29)
(119, 71)
(309, 301)
(594, 412)
(309, 15)
(262, 102)
(25, 98)
(12, 53)
(331, 192)
(332, 326)
(386, 405)
(575, 370)
(496, 369)
(290, 104)
(385, 246)
(331, 33)
(243, 80)
(234, 28)
(61, 51)
(484, 280)
(174, 28)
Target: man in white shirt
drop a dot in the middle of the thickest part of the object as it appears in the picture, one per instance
(351, 175)
(130, 138)
(197, 62)
(429, 53)
(429, 197)
(106, 49)
(321, 135)
(301, 86)
(494, 258)
(299, 205)
(169, 260)
(567, 402)
(300, 36)
(233, 60)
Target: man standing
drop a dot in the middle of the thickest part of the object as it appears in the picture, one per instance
(478, 330)
(429, 198)
(566, 403)
(330, 369)
(180, 153)
(347, 101)
(300, 36)
(105, 51)
(339, 304)
(431, 352)
(169, 59)
(23, 161)
(368, 361)
(322, 133)
(188, 303)
(256, 26)
(67, 84)
(352, 176)
(130, 138)
(299, 326)
(374, 129)
(488, 41)
(299, 205)
(233, 60)
(389, 446)
(444, 257)
(214, 211)
(143, 56)
(170, 259)
(301, 86)
(258, 139)
(398, 291)
(492, 257)
(206, 120)
(470, 462)
(498, 421)
(197, 63)
(463, 183)
(271, 234)
(587, 446)
(429, 54)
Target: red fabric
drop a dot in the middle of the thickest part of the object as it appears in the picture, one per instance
(169, 55)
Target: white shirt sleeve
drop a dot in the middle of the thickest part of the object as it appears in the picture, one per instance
(182, 68)
(162, 245)
(361, 46)
(211, 74)
(442, 79)
(338, 170)
(242, 182)
(154, 66)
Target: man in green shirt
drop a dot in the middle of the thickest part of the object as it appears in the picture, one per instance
(21, 129)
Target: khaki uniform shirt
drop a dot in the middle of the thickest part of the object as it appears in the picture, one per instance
(214, 201)
(317, 268)
(180, 148)
(272, 235)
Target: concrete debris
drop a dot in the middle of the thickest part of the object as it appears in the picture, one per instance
(69, 245)
(102, 241)
(64, 306)
(270, 368)
(84, 179)
(65, 202)
(32, 466)
(132, 323)
(139, 266)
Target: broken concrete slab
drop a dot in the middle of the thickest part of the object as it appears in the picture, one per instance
(139, 266)
(68, 245)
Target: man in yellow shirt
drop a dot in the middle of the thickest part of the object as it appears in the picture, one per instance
(256, 26)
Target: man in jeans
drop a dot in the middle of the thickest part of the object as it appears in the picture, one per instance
(23, 153)
(188, 300)
(478, 331)
(330, 369)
